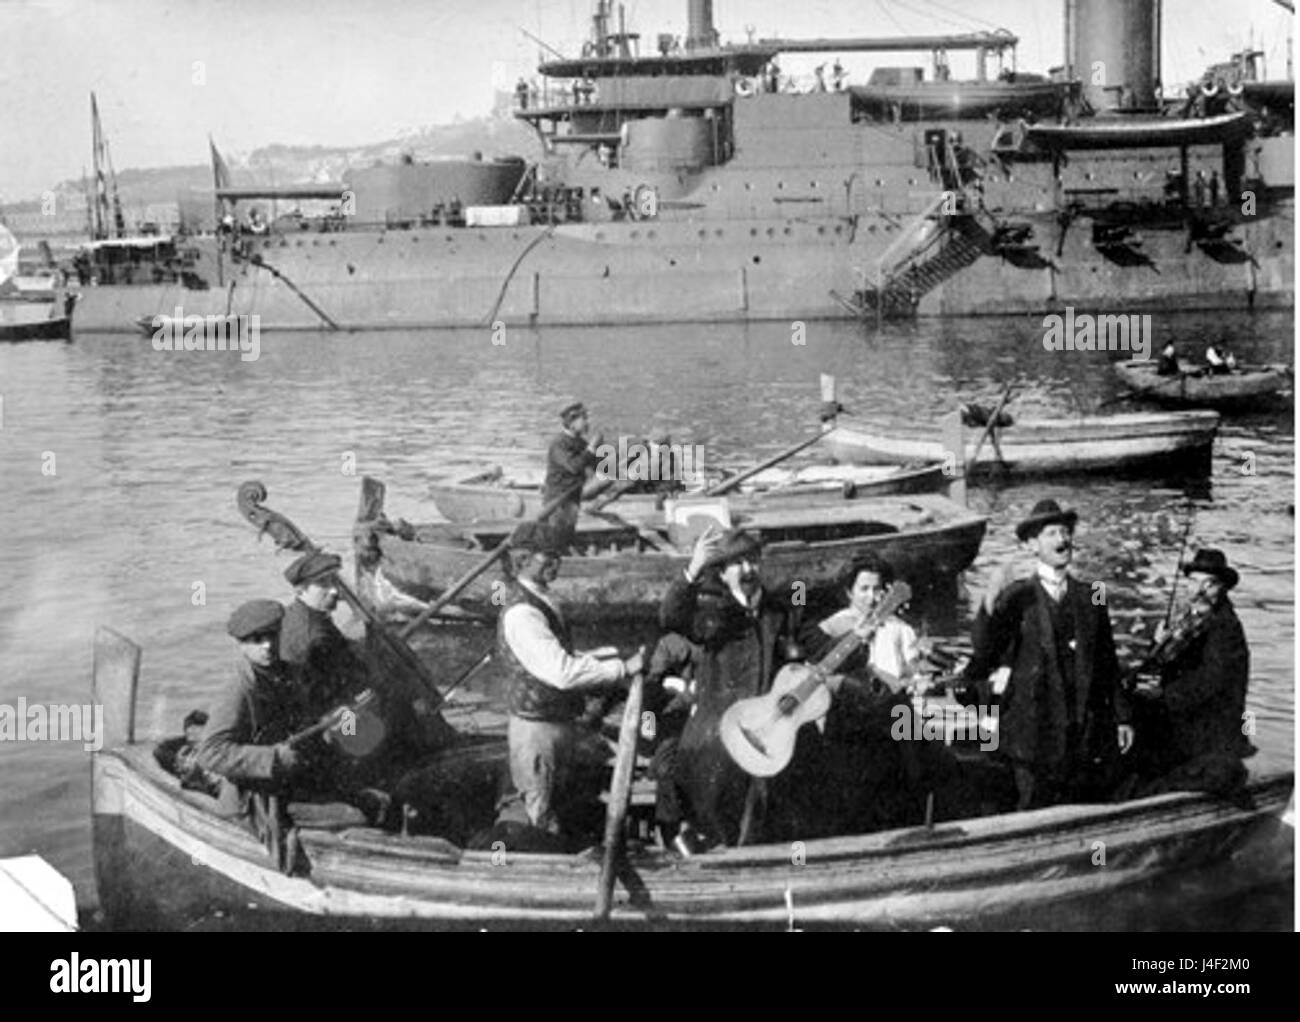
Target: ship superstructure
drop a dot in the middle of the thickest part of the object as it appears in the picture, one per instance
(693, 183)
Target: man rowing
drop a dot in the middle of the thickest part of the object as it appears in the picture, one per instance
(569, 463)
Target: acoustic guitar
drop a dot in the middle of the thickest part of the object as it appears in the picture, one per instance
(759, 733)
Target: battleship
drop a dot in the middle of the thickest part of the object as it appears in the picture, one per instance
(689, 181)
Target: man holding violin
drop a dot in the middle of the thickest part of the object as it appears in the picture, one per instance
(1191, 736)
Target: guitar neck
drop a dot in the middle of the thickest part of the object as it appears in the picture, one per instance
(849, 643)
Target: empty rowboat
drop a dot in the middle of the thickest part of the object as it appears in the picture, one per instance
(1165, 442)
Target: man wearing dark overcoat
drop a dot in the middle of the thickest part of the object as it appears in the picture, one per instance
(1047, 650)
(745, 634)
(1193, 736)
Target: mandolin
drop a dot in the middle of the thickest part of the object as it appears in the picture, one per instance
(759, 733)
(356, 728)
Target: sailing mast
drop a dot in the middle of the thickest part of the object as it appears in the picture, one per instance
(103, 161)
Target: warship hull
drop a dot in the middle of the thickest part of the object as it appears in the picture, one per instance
(589, 274)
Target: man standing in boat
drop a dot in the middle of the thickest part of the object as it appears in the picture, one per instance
(547, 688)
(744, 634)
(1047, 650)
(569, 462)
(1192, 736)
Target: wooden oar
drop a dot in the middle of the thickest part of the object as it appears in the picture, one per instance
(502, 548)
(1132, 394)
(988, 429)
(729, 484)
(620, 790)
(288, 536)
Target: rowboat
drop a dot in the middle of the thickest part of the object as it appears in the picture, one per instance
(1134, 133)
(493, 495)
(37, 320)
(165, 858)
(626, 565)
(1195, 387)
(1173, 442)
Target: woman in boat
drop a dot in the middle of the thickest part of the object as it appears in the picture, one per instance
(872, 782)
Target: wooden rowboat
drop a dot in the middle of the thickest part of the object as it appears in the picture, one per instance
(619, 576)
(1194, 387)
(166, 859)
(39, 320)
(1173, 442)
(492, 495)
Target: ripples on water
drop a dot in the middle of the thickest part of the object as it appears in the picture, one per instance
(150, 447)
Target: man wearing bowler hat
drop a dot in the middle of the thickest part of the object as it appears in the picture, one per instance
(745, 634)
(569, 460)
(1194, 734)
(1047, 651)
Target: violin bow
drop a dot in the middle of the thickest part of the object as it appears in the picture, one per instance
(1182, 550)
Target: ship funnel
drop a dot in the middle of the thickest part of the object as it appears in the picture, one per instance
(1113, 48)
(700, 33)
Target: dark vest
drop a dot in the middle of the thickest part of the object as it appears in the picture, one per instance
(526, 696)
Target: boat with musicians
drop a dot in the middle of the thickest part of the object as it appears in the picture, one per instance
(169, 857)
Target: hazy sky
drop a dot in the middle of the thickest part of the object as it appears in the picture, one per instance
(346, 72)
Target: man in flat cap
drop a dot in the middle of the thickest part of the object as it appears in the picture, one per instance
(310, 643)
(1047, 650)
(245, 742)
(547, 685)
(1193, 734)
(745, 634)
(569, 462)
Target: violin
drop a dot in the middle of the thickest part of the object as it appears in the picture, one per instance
(1174, 643)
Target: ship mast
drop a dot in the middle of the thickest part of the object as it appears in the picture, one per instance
(102, 160)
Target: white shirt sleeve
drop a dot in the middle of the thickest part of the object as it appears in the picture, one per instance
(535, 646)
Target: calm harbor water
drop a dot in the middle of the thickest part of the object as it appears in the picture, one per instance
(136, 525)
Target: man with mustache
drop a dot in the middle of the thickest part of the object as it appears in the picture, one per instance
(744, 634)
(1047, 650)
